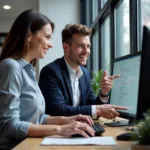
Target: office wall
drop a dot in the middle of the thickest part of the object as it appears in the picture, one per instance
(61, 12)
(7, 17)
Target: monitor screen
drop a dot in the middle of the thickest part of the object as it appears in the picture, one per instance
(125, 88)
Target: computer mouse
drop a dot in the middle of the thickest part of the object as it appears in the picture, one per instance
(128, 136)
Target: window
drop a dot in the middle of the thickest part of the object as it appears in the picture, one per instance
(105, 44)
(95, 51)
(143, 18)
(122, 29)
(120, 25)
(103, 3)
(94, 9)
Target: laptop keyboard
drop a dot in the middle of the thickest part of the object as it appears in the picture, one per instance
(97, 128)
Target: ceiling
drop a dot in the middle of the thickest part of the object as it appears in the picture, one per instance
(17, 6)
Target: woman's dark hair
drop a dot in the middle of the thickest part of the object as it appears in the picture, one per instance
(15, 45)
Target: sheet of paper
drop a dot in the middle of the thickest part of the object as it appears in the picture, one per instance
(79, 141)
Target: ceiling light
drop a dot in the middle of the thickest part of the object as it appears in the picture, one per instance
(6, 7)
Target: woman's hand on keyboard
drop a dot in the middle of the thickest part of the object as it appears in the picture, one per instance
(83, 118)
(76, 128)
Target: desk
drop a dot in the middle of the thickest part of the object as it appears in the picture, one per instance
(34, 143)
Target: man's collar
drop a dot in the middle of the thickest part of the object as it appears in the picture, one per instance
(79, 72)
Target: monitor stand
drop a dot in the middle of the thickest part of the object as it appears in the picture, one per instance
(119, 123)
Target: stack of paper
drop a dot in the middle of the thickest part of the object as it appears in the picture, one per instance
(79, 141)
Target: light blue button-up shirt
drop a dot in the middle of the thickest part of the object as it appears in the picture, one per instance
(21, 101)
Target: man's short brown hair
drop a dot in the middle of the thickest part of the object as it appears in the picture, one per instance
(71, 29)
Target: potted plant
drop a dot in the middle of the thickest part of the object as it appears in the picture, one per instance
(143, 134)
(96, 78)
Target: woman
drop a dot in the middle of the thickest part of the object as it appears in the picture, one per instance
(22, 105)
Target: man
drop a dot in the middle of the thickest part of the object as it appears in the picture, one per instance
(66, 84)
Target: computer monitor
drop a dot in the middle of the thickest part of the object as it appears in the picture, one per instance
(137, 103)
(125, 88)
(144, 84)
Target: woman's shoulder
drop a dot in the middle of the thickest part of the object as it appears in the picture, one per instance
(9, 62)
(10, 65)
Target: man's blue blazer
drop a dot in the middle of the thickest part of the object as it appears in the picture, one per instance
(56, 87)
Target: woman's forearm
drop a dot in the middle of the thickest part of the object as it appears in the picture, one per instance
(59, 120)
(43, 130)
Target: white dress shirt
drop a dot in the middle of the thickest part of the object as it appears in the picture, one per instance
(74, 78)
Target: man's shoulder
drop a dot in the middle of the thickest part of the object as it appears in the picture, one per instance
(56, 65)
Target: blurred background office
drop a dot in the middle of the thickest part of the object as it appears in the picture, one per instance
(117, 25)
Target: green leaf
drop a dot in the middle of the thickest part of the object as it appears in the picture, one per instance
(144, 129)
(96, 79)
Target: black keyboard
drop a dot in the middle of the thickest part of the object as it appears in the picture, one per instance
(97, 128)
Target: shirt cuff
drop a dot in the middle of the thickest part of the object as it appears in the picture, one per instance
(94, 113)
(104, 99)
